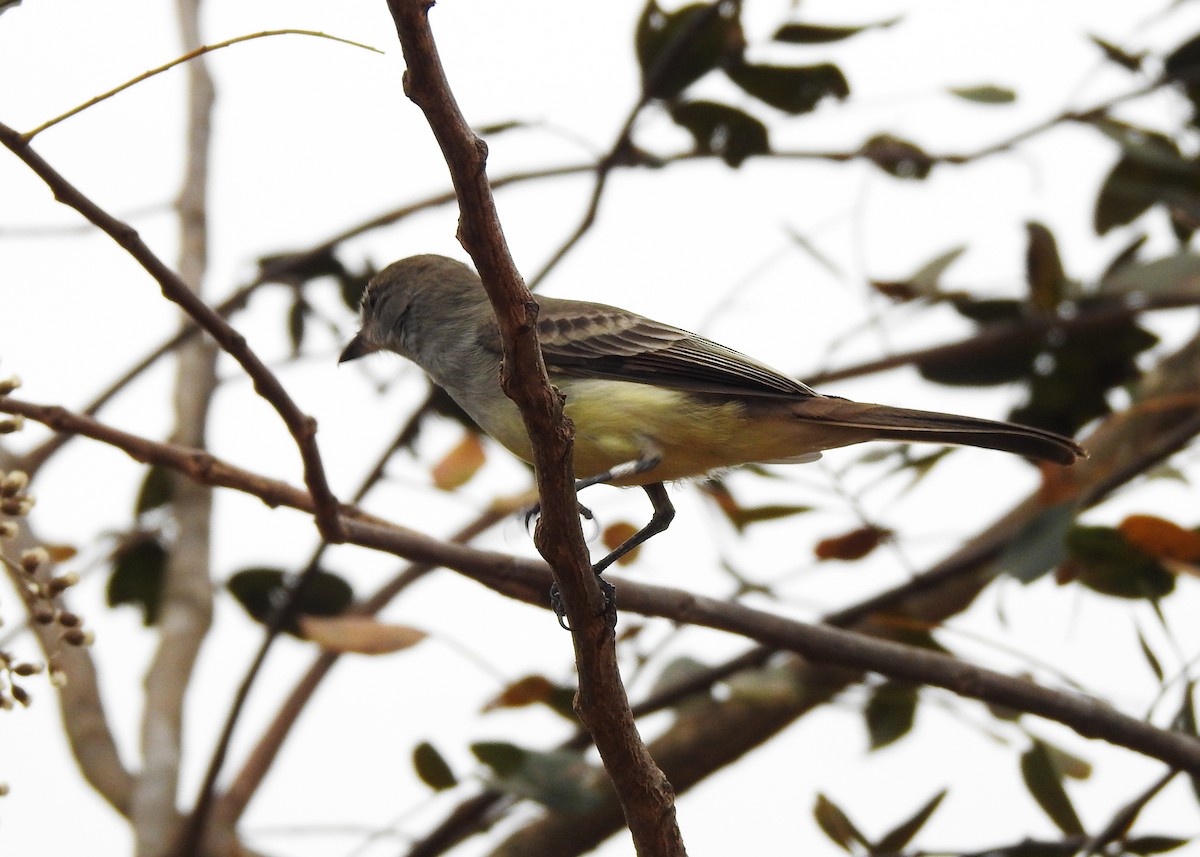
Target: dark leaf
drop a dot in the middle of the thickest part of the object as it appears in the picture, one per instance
(1185, 721)
(1040, 545)
(988, 310)
(1153, 844)
(1151, 170)
(432, 768)
(157, 490)
(296, 269)
(351, 286)
(139, 570)
(897, 157)
(677, 673)
(814, 34)
(524, 691)
(1148, 654)
(890, 712)
(721, 130)
(296, 320)
(1103, 560)
(560, 780)
(1183, 66)
(1043, 268)
(792, 89)
(1122, 261)
(675, 49)
(899, 837)
(1126, 60)
(1044, 782)
(925, 282)
(985, 94)
(836, 824)
(262, 591)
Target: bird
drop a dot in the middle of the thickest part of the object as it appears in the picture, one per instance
(651, 403)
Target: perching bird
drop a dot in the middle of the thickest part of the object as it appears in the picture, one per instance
(651, 403)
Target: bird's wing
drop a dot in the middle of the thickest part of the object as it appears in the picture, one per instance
(590, 340)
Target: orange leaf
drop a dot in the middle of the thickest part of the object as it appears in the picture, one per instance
(363, 635)
(1161, 538)
(523, 691)
(852, 545)
(459, 464)
(615, 535)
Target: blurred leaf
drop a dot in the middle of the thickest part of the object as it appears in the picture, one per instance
(675, 49)
(740, 516)
(157, 489)
(560, 780)
(721, 130)
(792, 89)
(985, 94)
(459, 464)
(352, 285)
(890, 712)
(1153, 844)
(988, 310)
(60, 553)
(296, 269)
(1151, 170)
(898, 838)
(524, 691)
(1177, 274)
(1148, 654)
(359, 635)
(1183, 66)
(1044, 268)
(769, 685)
(496, 128)
(615, 535)
(139, 571)
(1124, 259)
(677, 672)
(1040, 545)
(814, 34)
(1161, 538)
(897, 157)
(1101, 559)
(5, 5)
(295, 323)
(812, 250)
(852, 545)
(1044, 782)
(1126, 60)
(432, 767)
(837, 825)
(262, 590)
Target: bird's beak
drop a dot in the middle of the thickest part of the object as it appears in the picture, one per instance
(357, 347)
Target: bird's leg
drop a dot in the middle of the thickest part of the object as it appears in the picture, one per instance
(664, 513)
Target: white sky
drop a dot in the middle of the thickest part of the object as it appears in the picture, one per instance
(313, 136)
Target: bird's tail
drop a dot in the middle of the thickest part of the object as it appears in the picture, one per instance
(904, 424)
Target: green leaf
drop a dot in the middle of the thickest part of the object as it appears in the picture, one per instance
(721, 130)
(560, 780)
(157, 490)
(1151, 170)
(1148, 654)
(677, 672)
(432, 767)
(890, 712)
(1044, 782)
(262, 590)
(895, 841)
(792, 89)
(1183, 65)
(1103, 560)
(1040, 545)
(139, 572)
(837, 825)
(813, 34)
(676, 49)
(985, 94)
(897, 157)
